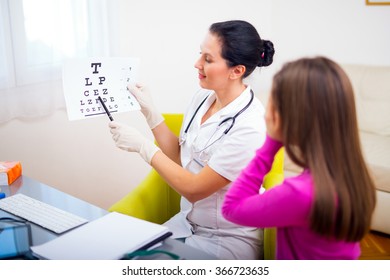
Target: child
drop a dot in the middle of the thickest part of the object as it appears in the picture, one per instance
(325, 211)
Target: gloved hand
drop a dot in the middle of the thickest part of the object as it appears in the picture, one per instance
(142, 94)
(129, 139)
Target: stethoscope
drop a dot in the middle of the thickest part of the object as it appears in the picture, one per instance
(232, 119)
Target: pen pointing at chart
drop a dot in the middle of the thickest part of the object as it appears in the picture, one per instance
(105, 109)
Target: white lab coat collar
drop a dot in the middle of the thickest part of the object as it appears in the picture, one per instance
(230, 109)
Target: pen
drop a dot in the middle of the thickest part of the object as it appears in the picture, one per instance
(105, 109)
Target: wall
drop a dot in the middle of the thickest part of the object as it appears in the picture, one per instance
(80, 158)
(77, 157)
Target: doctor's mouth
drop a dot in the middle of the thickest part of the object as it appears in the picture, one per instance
(201, 77)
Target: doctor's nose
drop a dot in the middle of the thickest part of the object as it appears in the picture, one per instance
(198, 64)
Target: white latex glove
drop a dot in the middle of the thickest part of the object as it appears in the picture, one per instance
(142, 94)
(129, 139)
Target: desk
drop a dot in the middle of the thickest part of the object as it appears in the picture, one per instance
(52, 196)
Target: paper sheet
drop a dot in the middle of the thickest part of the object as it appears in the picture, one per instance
(86, 79)
(107, 238)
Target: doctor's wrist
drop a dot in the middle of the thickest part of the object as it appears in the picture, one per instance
(148, 150)
(154, 119)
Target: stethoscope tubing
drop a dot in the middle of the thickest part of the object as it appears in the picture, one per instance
(233, 119)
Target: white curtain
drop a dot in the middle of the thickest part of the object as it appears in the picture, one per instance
(36, 36)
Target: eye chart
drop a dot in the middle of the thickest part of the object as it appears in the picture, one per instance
(84, 80)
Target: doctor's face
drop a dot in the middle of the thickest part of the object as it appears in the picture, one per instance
(213, 71)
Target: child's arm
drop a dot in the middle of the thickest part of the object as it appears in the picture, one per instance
(251, 178)
(283, 205)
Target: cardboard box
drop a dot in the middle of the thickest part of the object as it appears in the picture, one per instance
(9, 172)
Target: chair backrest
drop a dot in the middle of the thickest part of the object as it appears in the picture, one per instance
(276, 175)
(174, 122)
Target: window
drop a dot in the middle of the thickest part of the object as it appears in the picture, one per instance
(37, 35)
(6, 67)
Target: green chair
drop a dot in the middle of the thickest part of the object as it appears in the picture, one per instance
(155, 201)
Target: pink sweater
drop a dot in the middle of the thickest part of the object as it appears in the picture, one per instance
(286, 207)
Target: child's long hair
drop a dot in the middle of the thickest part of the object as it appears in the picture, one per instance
(316, 103)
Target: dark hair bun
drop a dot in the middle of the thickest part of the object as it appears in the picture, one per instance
(267, 56)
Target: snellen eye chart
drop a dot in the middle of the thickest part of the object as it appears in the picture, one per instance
(84, 80)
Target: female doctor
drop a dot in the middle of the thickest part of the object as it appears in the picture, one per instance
(221, 131)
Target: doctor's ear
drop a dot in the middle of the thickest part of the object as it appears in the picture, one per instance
(238, 72)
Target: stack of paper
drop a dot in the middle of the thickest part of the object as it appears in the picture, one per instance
(107, 238)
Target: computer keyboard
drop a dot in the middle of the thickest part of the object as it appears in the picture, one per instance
(41, 213)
